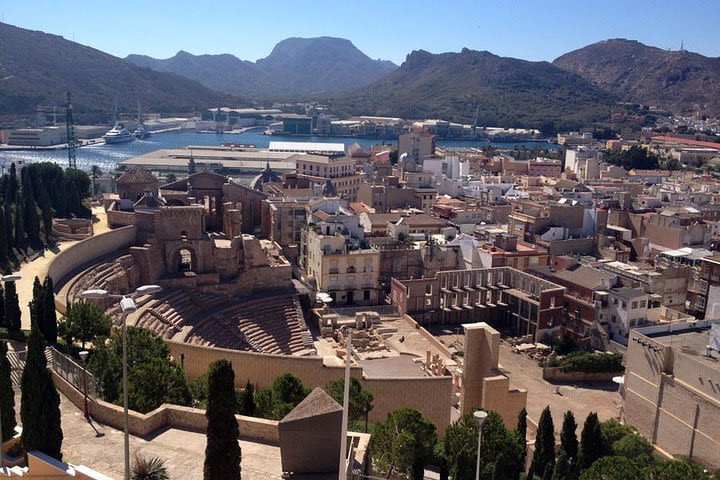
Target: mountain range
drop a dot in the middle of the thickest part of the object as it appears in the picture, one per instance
(37, 69)
(580, 88)
(678, 81)
(295, 66)
(508, 92)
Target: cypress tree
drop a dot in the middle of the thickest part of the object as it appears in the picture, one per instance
(249, 400)
(19, 225)
(8, 226)
(593, 443)
(12, 308)
(563, 469)
(32, 222)
(7, 395)
(37, 304)
(11, 189)
(4, 248)
(40, 402)
(47, 218)
(521, 432)
(568, 437)
(544, 455)
(49, 312)
(222, 454)
(2, 307)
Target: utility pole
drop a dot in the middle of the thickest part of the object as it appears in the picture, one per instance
(70, 131)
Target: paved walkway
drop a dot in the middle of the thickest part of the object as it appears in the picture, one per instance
(101, 448)
(39, 266)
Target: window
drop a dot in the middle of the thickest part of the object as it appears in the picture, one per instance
(642, 304)
(634, 305)
(623, 305)
(366, 295)
(700, 302)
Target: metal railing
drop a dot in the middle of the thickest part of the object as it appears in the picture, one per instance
(71, 371)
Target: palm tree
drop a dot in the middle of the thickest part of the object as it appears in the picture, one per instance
(149, 469)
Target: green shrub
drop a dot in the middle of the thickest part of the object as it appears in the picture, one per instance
(588, 362)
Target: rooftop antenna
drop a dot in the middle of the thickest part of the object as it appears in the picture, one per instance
(70, 132)
(682, 45)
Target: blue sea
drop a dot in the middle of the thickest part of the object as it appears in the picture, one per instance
(107, 156)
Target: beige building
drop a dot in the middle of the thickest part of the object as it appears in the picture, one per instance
(672, 389)
(417, 145)
(339, 170)
(350, 277)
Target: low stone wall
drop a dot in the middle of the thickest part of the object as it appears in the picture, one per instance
(555, 374)
(173, 416)
(429, 337)
(86, 252)
(429, 395)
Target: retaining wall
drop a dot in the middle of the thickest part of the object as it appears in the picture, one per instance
(173, 416)
(555, 374)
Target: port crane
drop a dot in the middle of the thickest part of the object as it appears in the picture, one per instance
(70, 131)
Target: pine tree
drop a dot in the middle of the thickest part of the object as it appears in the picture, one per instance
(12, 308)
(50, 315)
(7, 395)
(40, 402)
(521, 432)
(544, 455)
(593, 443)
(249, 400)
(222, 454)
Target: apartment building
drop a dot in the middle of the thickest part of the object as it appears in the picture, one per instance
(349, 276)
(340, 171)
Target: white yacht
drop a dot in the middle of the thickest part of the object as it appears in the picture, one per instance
(141, 132)
(118, 134)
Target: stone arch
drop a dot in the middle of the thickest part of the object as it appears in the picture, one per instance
(183, 259)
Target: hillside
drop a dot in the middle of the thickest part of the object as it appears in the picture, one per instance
(510, 92)
(37, 68)
(679, 81)
(295, 66)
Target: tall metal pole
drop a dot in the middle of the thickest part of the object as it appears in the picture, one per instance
(125, 397)
(342, 470)
(2, 460)
(480, 417)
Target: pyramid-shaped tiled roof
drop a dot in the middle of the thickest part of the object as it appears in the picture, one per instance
(317, 403)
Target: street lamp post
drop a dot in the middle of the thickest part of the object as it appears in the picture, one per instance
(480, 417)
(127, 306)
(342, 472)
(5, 278)
(83, 355)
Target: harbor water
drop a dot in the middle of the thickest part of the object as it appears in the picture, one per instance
(107, 156)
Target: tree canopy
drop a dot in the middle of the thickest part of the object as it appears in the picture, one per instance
(222, 453)
(404, 443)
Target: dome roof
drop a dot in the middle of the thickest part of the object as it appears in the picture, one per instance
(266, 176)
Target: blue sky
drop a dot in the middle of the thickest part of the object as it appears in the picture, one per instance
(387, 29)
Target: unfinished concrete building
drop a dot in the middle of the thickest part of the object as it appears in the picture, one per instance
(513, 302)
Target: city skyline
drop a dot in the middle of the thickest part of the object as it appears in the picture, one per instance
(385, 31)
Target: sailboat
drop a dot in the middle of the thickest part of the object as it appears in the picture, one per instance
(141, 131)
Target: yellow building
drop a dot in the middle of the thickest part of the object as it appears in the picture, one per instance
(339, 170)
(350, 277)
